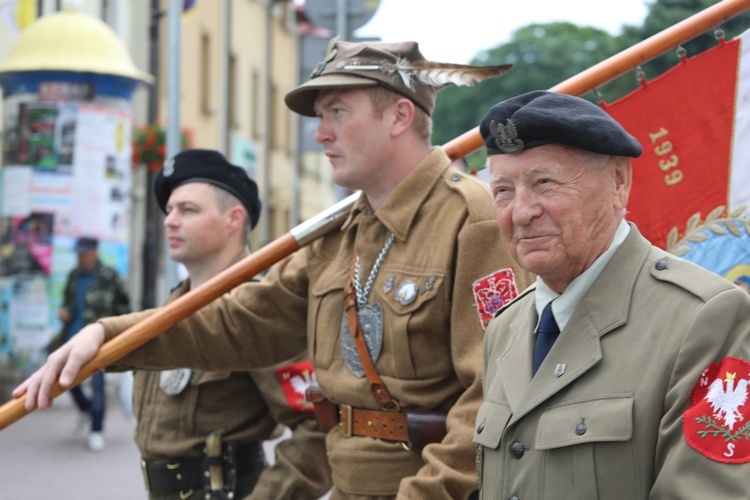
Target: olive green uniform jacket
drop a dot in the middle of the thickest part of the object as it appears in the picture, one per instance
(603, 416)
(445, 239)
(247, 407)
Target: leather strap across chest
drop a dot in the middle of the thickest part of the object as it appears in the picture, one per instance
(378, 388)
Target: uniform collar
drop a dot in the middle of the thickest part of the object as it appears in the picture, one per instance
(400, 208)
(566, 304)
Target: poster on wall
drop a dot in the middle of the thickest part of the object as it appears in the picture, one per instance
(65, 173)
(101, 175)
(26, 244)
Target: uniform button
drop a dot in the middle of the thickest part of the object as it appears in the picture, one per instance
(581, 429)
(661, 265)
(514, 497)
(455, 177)
(480, 428)
(517, 449)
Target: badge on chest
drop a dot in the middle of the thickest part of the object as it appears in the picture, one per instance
(173, 382)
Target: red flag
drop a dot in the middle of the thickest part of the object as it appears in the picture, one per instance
(684, 120)
(693, 179)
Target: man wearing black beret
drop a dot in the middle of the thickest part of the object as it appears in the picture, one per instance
(611, 377)
(211, 207)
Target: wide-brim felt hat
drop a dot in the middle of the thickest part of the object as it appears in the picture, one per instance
(350, 65)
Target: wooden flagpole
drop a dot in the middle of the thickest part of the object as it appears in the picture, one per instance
(326, 221)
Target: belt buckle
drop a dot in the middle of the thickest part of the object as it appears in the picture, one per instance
(345, 409)
(145, 475)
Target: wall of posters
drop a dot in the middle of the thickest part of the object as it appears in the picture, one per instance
(65, 173)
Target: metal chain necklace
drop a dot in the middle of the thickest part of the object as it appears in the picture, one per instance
(370, 318)
(362, 294)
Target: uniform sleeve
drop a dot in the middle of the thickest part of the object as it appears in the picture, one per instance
(300, 469)
(256, 325)
(719, 335)
(449, 470)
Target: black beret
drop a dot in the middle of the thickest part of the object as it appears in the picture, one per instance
(542, 117)
(86, 243)
(207, 165)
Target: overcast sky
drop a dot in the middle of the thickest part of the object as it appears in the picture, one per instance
(455, 31)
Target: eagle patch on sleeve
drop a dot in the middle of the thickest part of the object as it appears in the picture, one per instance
(493, 292)
(717, 424)
(295, 379)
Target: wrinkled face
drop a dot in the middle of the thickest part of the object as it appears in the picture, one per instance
(353, 137)
(558, 208)
(195, 226)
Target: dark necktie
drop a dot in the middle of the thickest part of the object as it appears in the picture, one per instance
(546, 336)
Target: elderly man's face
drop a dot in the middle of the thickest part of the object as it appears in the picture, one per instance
(558, 208)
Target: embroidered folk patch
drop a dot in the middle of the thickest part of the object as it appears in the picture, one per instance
(295, 379)
(493, 292)
(717, 424)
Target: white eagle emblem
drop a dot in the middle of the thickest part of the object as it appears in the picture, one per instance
(725, 403)
(301, 382)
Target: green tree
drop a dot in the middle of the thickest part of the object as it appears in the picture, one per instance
(544, 55)
(665, 13)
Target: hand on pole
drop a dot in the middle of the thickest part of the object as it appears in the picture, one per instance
(62, 366)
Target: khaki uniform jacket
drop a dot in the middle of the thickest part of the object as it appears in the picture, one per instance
(247, 407)
(610, 425)
(445, 239)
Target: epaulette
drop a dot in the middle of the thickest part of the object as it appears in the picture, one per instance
(469, 187)
(518, 297)
(690, 277)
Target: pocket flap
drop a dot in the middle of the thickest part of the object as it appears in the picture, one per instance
(491, 421)
(323, 283)
(606, 417)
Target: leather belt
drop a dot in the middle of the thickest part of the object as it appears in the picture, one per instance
(184, 474)
(389, 425)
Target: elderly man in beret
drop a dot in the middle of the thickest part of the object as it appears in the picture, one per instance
(391, 307)
(211, 206)
(623, 373)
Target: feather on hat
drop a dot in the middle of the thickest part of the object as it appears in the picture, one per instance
(400, 67)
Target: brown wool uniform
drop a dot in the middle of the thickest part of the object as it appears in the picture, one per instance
(445, 239)
(247, 406)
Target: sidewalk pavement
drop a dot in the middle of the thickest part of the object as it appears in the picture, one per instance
(41, 457)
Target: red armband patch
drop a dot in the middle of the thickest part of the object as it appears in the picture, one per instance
(493, 292)
(717, 424)
(295, 379)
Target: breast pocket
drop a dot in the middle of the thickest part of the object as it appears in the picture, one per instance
(416, 323)
(326, 310)
(590, 441)
(491, 421)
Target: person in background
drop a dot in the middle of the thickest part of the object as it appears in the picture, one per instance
(211, 206)
(92, 291)
(623, 373)
(391, 307)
